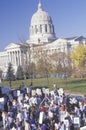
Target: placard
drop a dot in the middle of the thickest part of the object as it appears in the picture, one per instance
(33, 92)
(28, 90)
(66, 122)
(50, 114)
(38, 91)
(41, 115)
(47, 91)
(18, 93)
(14, 102)
(43, 89)
(21, 96)
(83, 128)
(52, 93)
(76, 120)
(60, 91)
(26, 97)
(2, 100)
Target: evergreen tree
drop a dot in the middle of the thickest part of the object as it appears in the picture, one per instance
(10, 73)
(20, 73)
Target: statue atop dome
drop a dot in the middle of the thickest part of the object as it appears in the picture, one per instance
(39, 6)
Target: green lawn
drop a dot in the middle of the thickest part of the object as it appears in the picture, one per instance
(71, 85)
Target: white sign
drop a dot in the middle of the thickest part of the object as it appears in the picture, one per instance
(76, 120)
(38, 91)
(21, 96)
(47, 91)
(83, 128)
(66, 122)
(60, 91)
(14, 102)
(2, 100)
(18, 93)
(41, 115)
(43, 89)
(28, 90)
(50, 114)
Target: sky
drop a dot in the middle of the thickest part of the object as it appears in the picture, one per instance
(68, 16)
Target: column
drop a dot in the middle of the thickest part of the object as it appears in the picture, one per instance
(19, 57)
(48, 28)
(8, 58)
(11, 57)
(16, 58)
(22, 58)
(43, 28)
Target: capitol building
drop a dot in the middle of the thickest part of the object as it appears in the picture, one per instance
(42, 33)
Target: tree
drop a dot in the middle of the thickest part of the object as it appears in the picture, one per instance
(29, 70)
(20, 73)
(10, 73)
(78, 57)
(61, 63)
(43, 61)
(1, 74)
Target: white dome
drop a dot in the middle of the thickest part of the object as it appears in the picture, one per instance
(41, 27)
(40, 16)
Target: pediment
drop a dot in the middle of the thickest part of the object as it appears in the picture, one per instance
(12, 46)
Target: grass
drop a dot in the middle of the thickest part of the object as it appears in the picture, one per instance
(71, 85)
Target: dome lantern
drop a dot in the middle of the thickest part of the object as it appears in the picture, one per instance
(39, 6)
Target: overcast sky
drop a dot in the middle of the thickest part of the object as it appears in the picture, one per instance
(69, 18)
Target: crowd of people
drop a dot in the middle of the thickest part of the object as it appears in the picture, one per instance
(41, 109)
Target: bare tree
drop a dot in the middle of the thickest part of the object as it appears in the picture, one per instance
(61, 63)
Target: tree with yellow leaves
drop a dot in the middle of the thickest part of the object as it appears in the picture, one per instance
(78, 57)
